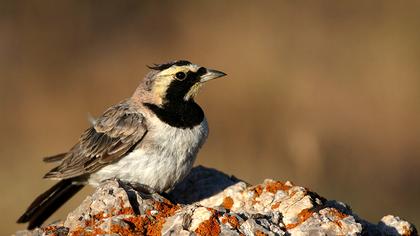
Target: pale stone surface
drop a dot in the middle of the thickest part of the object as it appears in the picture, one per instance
(199, 215)
(212, 203)
(391, 224)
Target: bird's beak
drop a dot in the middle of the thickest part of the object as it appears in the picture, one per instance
(211, 74)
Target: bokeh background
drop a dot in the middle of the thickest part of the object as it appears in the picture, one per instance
(323, 93)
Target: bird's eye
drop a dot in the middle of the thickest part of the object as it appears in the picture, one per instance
(180, 75)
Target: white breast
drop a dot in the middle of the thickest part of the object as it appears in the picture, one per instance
(165, 160)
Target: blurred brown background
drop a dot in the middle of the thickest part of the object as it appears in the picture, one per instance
(323, 93)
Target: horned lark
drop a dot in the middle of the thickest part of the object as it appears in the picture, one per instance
(151, 138)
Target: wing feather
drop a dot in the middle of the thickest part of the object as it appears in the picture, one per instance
(119, 130)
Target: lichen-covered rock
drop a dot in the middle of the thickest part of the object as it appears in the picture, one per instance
(209, 202)
(392, 225)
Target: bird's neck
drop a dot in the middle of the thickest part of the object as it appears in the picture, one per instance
(178, 113)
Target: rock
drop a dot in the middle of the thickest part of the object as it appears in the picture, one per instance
(393, 225)
(209, 202)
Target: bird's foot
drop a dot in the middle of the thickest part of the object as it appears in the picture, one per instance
(143, 189)
(132, 190)
(145, 192)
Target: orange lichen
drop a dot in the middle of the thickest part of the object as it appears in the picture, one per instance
(338, 223)
(338, 214)
(125, 211)
(51, 229)
(302, 217)
(147, 224)
(292, 193)
(260, 233)
(166, 209)
(117, 229)
(139, 223)
(209, 227)
(155, 229)
(228, 203)
(258, 190)
(90, 227)
(275, 205)
(407, 231)
(213, 211)
(152, 225)
(273, 187)
(93, 219)
(232, 220)
(83, 232)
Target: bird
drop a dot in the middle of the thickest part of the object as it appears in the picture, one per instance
(152, 138)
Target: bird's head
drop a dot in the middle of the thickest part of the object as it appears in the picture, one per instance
(178, 81)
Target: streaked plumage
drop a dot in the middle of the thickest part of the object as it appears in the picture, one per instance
(151, 138)
(117, 131)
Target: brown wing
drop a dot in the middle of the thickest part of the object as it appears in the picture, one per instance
(115, 133)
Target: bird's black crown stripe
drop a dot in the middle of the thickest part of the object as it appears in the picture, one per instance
(165, 66)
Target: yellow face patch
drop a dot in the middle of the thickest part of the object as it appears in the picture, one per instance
(193, 91)
(164, 78)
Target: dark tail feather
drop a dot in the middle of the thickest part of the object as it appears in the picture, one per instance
(47, 203)
(55, 158)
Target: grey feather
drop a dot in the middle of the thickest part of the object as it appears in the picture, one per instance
(117, 131)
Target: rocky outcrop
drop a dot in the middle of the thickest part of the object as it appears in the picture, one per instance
(209, 202)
